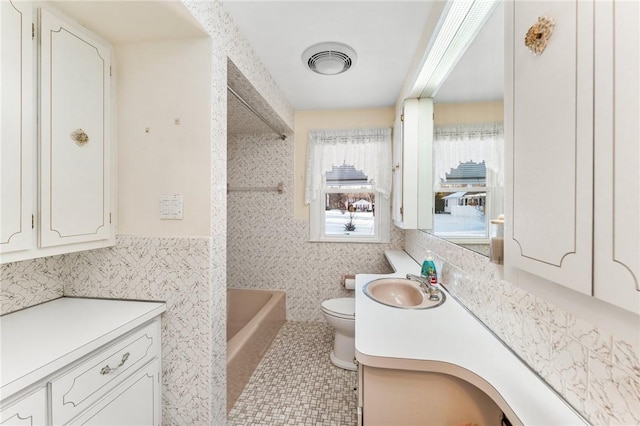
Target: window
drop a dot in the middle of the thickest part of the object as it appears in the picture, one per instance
(460, 204)
(348, 185)
(468, 181)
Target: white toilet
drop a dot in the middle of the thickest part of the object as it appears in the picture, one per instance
(340, 314)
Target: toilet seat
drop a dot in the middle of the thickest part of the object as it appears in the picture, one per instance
(344, 308)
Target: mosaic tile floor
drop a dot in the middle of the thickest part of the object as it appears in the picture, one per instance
(295, 384)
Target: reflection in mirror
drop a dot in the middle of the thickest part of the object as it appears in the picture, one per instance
(469, 141)
(469, 183)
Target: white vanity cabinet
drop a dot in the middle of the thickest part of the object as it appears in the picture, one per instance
(413, 165)
(573, 196)
(135, 402)
(91, 362)
(30, 410)
(58, 191)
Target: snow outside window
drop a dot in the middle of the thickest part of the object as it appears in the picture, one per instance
(468, 184)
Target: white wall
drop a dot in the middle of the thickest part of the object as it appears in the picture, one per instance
(468, 113)
(158, 83)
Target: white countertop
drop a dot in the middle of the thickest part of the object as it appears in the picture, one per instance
(40, 340)
(448, 339)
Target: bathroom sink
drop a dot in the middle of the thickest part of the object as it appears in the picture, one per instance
(401, 293)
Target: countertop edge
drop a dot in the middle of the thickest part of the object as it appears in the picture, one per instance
(402, 263)
(444, 368)
(16, 386)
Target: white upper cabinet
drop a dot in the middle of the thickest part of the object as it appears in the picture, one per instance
(64, 201)
(549, 149)
(16, 126)
(74, 135)
(572, 148)
(617, 154)
(413, 165)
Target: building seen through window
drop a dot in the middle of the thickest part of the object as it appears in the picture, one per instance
(349, 202)
(460, 203)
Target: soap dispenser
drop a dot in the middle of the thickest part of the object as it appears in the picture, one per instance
(429, 269)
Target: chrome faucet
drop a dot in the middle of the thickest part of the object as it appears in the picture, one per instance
(430, 289)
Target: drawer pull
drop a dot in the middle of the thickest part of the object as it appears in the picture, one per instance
(107, 369)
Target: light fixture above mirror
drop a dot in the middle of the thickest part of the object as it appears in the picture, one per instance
(460, 23)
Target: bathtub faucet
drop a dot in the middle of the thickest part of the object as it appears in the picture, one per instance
(430, 289)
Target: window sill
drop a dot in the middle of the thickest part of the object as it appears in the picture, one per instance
(348, 240)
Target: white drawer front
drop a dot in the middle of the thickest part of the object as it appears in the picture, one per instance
(84, 384)
(136, 402)
(30, 410)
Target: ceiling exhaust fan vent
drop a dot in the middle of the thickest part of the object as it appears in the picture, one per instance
(329, 58)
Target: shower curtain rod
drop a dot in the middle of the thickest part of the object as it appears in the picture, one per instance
(257, 114)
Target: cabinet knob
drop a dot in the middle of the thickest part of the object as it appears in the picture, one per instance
(538, 35)
(80, 137)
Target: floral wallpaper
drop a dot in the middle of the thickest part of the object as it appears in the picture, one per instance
(597, 372)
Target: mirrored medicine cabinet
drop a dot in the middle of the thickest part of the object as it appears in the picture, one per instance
(468, 141)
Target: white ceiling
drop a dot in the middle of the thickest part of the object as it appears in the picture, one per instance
(385, 35)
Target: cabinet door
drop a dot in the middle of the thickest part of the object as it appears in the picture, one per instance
(29, 411)
(74, 135)
(137, 402)
(413, 165)
(397, 171)
(549, 144)
(16, 120)
(617, 154)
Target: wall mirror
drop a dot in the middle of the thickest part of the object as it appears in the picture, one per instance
(468, 143)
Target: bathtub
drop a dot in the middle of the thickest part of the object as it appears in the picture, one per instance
(254, 318)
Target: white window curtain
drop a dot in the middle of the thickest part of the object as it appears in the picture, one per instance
(368, 150)
(483, 142)
(460, 144)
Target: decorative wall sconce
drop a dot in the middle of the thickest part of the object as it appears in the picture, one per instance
(79, 137)
(539, 34)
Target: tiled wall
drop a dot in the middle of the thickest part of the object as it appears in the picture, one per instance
(227, 43)
(175, 270)
(28, 283)
(596, 371)
(216, 22)
(268, 248)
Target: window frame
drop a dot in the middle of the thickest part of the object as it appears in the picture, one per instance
(317, 218)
